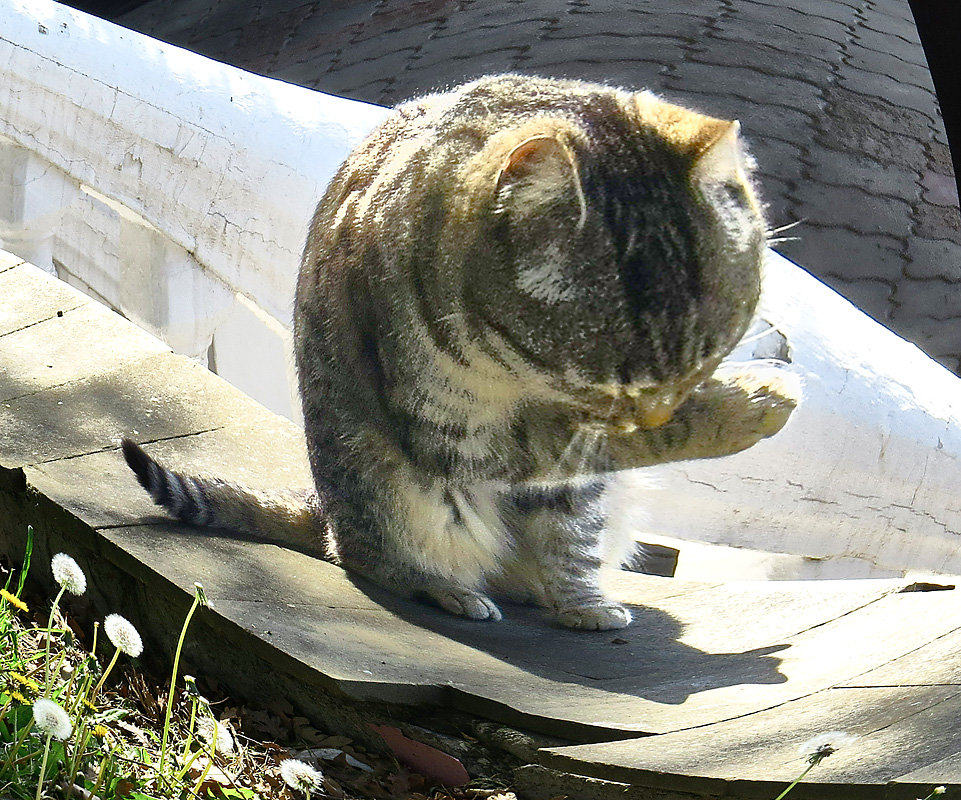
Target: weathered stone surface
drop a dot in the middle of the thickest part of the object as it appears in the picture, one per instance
(31, 296)
(871, 98)
(757, 757)
(61, 349)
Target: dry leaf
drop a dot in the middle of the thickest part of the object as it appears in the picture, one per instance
(215, 775)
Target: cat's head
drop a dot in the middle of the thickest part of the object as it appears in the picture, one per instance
(620, 240)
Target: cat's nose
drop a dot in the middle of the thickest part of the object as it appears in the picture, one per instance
(653, 413)
(645, 412)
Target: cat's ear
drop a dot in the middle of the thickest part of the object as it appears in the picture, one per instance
(540, 172)
(721, 159)
(712, 144)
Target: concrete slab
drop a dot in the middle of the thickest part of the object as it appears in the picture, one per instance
(31, 295)
(64, 348)
(708, 692)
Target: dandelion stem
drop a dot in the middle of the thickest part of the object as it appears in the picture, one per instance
(103, 771)
(83, 736)
(106, 672)
(46, 660)
(190, 727)
(43, 767)
(797, 780)
(199, 598)
(208, 765)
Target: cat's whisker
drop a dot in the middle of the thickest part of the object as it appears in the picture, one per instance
(594, 440)
(759, 335)
(589, 441)
(566, 455)
(753, 362)
(780, 239)
(787, 227)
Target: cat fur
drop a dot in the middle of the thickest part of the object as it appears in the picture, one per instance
(510, 291)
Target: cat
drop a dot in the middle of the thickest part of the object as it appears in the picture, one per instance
(509, 291)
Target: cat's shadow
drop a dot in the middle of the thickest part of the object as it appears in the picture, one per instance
(646, 659)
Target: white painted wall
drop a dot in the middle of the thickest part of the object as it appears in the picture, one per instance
(864, 479)
(175, 188)
(178, 190)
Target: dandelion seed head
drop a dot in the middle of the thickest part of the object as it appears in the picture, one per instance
(823, 745)
(205, 730)
(123, 635)
(51, 719)
(300, 775)
(68, 574)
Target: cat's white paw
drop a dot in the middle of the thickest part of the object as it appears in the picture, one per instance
(467, 603)
(602, 616)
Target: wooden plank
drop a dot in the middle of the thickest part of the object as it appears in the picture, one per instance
(935, 663)
(943, 772)
(683, 663)
(101, 490)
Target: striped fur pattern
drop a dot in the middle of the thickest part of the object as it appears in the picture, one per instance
(294, 519)
(509, 291)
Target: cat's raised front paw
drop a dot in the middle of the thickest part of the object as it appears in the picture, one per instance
(602, 616)
(772, 393)
(466, 603)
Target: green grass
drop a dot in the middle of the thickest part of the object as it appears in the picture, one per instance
(66, 732)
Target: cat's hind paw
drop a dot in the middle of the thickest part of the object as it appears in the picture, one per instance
(466, 603)
(601, 616)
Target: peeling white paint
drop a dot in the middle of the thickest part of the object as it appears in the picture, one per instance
(218, 168)
(179, 190)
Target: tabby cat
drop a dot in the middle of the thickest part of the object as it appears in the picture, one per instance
(509, 291)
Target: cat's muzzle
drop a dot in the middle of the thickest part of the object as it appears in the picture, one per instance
(645, 412)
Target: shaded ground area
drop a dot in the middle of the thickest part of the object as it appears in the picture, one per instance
(709, 692)
(834, 95)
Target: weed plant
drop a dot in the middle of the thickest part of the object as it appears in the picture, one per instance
(65, 734)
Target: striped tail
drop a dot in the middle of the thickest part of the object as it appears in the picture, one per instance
(289, 518)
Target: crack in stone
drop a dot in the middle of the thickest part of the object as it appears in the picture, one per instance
(116, 447)
(58, 314)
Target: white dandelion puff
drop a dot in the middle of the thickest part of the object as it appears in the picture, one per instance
(68, 574)
(205, 730)
(825, 744)
(123, 635)
(51, 719)
(300, 775)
